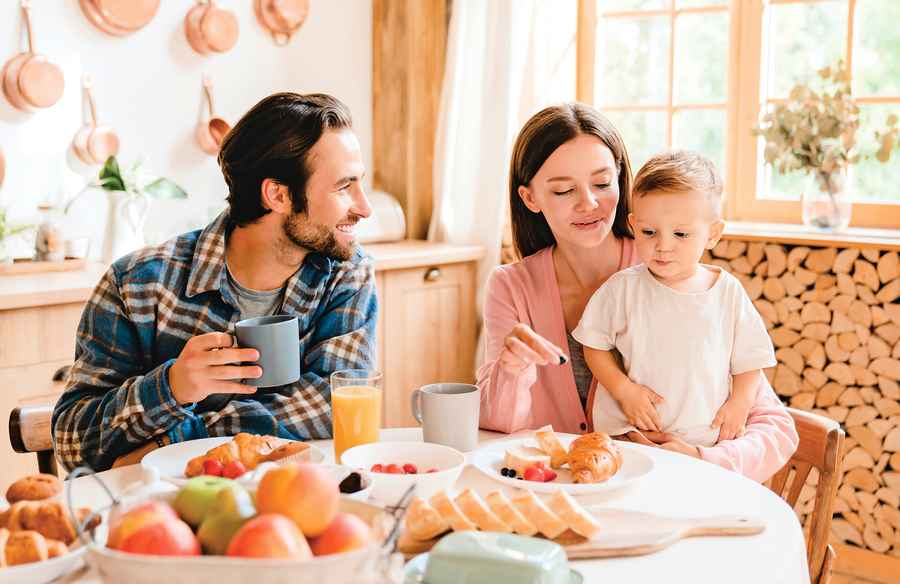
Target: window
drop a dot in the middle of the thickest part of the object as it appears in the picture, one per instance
(697, 73)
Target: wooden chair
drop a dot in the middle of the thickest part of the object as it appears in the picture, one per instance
(29, 431)
(821, 445)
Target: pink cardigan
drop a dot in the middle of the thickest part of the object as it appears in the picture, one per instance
(528, 292)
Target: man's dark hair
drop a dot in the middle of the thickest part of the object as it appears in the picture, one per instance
(273, 141)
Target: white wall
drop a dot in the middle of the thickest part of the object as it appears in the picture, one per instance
(148, 87)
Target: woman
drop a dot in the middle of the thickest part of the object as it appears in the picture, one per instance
(569, 191)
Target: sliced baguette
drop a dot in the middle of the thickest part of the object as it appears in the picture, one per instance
(503, 509)
(574, 515)
(477, 512)
(550, 444)
(423, 522)
(547, 522)
(450, 512)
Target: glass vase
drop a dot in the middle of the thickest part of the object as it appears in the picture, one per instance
(826, 201)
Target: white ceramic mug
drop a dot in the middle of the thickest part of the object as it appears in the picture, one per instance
(448, 413)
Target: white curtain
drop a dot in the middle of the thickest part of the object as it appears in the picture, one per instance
(506, 59)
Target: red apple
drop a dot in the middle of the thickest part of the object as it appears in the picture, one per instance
(172, 537)
(136, 518)
(269, 536)
(347, 532)
(303, 492)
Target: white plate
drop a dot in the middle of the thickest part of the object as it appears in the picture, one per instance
(43, 572)
(169, 461)
(414, 571)
(635, 465)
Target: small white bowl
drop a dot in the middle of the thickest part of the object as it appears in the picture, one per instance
(389, 488)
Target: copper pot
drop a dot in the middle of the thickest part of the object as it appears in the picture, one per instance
(94, 143)
(30, 80)
(282, 18)
(209, 27)
(119, 17)
(211, 129)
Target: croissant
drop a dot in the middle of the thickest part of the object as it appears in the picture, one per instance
(593, 458)
(24, 547)
(51, 519)
(250, 450)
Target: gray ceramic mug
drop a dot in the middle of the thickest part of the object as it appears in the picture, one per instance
(277, 338)
(448, 413)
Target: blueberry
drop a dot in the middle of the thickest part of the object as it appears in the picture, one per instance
(512, 473)
(504, 471)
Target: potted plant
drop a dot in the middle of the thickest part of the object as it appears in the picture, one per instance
(816, 132)
(129, 193)
(7, 231)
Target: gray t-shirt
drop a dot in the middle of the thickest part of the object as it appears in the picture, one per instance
(254, 303)
(583, 375)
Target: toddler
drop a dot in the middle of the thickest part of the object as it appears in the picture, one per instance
(692, 344)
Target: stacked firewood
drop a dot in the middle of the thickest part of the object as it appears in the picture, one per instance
(834, 318)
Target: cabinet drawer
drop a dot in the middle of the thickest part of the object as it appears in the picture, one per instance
(38, 335)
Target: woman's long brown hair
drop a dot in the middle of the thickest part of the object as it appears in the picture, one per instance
(541, 135)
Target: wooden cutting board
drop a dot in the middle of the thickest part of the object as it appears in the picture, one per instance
(629, 533)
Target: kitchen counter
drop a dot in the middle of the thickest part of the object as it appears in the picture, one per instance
(23, 291)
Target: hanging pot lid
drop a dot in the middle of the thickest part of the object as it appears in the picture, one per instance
(11, 82)
(93, 15)
(192, 28)
(41, 82)
(131, 15)
(219, 27)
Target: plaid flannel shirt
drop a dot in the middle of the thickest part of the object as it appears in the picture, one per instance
(147, 306)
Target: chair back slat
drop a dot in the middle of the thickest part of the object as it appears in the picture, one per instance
(821, 445)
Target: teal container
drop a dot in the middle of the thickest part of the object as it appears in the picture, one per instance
(477, 557)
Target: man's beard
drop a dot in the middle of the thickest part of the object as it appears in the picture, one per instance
(315, 237)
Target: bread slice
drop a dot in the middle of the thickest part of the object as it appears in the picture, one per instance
(547, 522)
(476, 511)
(423, 522)
(503, 509)
(574, 515)
(521, 457)
(450, 512)
(550, 444)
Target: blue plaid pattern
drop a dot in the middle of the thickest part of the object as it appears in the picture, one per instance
(147, 306)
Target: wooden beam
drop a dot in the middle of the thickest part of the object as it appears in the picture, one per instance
(866, 564)
(585, 51)
(409, 47)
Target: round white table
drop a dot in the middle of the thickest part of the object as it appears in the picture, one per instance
(678, 486)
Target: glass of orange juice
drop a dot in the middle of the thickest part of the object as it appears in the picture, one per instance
(356, 397)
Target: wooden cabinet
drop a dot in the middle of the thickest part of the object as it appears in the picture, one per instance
(429, 332)
(426, 330)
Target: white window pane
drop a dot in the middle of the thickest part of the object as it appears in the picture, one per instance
(701, 58)
(632, 56)
(876, 51)
(783, 187)
(553, 57)
(703, 131)
(624, 5)
(698, 3)
(644, 134)
(874, 181)
(803, 38)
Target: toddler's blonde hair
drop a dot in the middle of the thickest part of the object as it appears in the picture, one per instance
(680, 171)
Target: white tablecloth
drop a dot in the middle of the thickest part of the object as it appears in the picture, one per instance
(677, 486)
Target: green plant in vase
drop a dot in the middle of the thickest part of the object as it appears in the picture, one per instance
(816, 132)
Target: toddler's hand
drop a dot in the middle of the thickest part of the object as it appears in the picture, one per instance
(638, 403)
(732, 418)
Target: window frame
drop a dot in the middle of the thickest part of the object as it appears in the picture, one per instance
(742, 109)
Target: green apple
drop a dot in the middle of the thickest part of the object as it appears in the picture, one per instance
(196, 497)
(232, 508)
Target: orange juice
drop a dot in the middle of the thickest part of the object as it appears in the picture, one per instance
(356, 415)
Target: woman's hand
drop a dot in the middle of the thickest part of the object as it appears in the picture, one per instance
(523, 347)
(662, 440)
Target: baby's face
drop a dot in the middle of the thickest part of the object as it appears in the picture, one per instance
(671, 230)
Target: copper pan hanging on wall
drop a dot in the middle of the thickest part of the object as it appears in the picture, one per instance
(282, 18)
(2, 168)
(210, 28)
(30, 80)
(211, 129)
(120, 17)
(94, 143)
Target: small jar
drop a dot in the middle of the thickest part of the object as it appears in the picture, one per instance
(50, 245)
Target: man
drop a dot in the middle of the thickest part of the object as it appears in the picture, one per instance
(155, 360)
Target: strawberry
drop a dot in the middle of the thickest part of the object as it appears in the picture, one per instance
(549, 475)
(233, 469)
(410, 469)
(212, 467)
(534, 473)
(431, 470)
(393, 469)
(377, 468)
